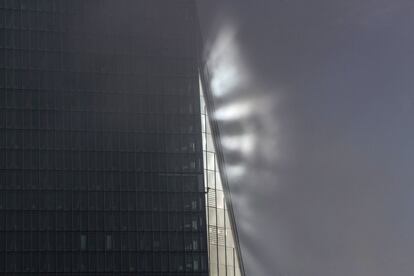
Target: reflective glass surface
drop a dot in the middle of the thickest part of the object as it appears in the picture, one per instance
(100, 146)
(223, 259)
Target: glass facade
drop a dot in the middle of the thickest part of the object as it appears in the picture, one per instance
(101, 158)
(223, 255)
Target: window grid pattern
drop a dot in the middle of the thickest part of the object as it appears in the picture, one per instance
(100, 146)
(223, 259)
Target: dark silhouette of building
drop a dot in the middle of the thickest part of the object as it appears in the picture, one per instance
(101, 156)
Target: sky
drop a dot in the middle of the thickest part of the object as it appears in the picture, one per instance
(323, 136)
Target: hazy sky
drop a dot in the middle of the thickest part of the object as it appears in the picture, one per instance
(330, 190)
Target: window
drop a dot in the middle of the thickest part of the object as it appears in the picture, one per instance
(83, 242)
(100, 150)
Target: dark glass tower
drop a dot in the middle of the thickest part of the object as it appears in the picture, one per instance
(102, 141)
(101, 157)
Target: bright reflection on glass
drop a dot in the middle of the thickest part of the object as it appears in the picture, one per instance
(222, 251)
(224, 62)
(225, 78)
(249, 133)
(244, 111)
(245, 143)
(233, 111)
(235, 171)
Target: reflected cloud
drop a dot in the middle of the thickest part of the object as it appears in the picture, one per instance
(245, 143)
(235, 171)
(245, 112)
(243, 109)
(227, 70)
(233, 111)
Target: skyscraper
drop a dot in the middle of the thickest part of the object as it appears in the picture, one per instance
(101, 163)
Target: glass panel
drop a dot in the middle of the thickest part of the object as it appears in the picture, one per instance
(83, 242)
(210, 161)
(89, 122)
(220, 199)
(220, 233)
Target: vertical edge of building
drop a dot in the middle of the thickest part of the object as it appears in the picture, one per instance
(206, 95)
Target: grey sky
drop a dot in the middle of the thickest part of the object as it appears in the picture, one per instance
(338, 196)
